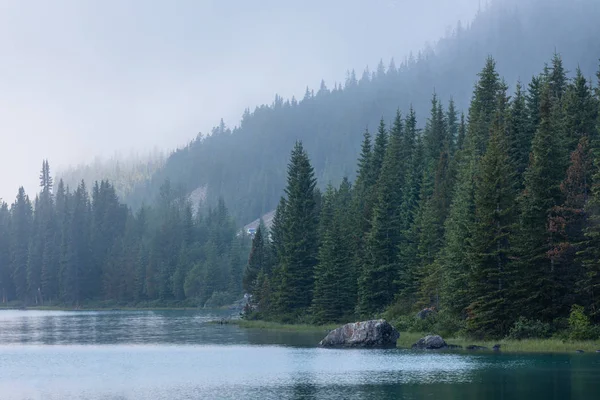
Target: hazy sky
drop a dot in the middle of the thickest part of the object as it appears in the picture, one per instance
(81, 78)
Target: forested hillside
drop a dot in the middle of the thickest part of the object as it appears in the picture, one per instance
(491, 219)
(76, 248)
(246, 165)
(125, 173)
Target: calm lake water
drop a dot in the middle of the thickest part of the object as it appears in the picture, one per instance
(169, 355)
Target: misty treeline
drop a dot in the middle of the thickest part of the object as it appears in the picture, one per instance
(124, 172)
(488, 217)
(70, 247)
(245, 164)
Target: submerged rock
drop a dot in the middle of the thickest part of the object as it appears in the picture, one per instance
(454, 347)
(475, 347)
(430, 342)
(579, 351)
(374, 333)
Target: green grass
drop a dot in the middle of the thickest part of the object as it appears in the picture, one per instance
(267, 325)
(512, 346)
(408, 338)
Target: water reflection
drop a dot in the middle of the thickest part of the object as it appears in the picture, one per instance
(175, 355)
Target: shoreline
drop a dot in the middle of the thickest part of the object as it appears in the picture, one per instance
(537, 346)
(106, 308)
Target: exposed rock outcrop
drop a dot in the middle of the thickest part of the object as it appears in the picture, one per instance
(374, 333)
(431, 342)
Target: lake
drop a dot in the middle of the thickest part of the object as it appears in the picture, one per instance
(169, 355)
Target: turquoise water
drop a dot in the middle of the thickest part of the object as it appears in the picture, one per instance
(178, 355)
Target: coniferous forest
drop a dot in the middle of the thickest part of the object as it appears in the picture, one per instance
(244, 163)
(75, 247)
(490, 218)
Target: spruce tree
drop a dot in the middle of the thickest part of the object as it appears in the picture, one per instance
(589, 253)
(409, 211)
(460, 223)
(538, 290)
(300, 236)
(567, 221)
(323, 307)
(489, 313)
(376, 280)
(6, 281)
(520, 134)
(21, 226)
(580, 111)
(257, 261)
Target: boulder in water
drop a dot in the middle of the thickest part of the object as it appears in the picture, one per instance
(496, 347)
(430, 342)
(374, 333)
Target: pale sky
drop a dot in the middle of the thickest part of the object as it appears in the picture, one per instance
(85, 78)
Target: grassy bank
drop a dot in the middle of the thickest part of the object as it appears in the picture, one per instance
(408, 338)
(283, 327)
(512, 346)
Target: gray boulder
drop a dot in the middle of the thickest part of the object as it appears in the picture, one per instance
(374, 333)
(431, 342)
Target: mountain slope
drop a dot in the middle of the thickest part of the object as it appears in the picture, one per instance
(247, 165)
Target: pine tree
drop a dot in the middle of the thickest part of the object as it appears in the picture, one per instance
(460, 223)
(299, 236)
(6, 282)
(567, 221)
(538, 290)
(257, 261)
(376, 280)
(520, 134)
(379, 150)
(580, 111)
(21, 212)
(323, 303)
(489, 312)
(407, 282)
(533, 102)
(589, 254)
(76, 247)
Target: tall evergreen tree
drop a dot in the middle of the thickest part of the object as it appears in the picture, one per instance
(540, 289)
(300, 236)
(6, 281)
(520, 134)
(460, 222)
(257, 261)
(376, 280)
(21, 225)
(489, 313)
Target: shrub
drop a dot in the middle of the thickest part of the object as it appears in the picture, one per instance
(580, 327)
(529, 329)
(441, 323)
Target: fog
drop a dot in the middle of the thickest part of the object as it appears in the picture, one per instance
(80, 79)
